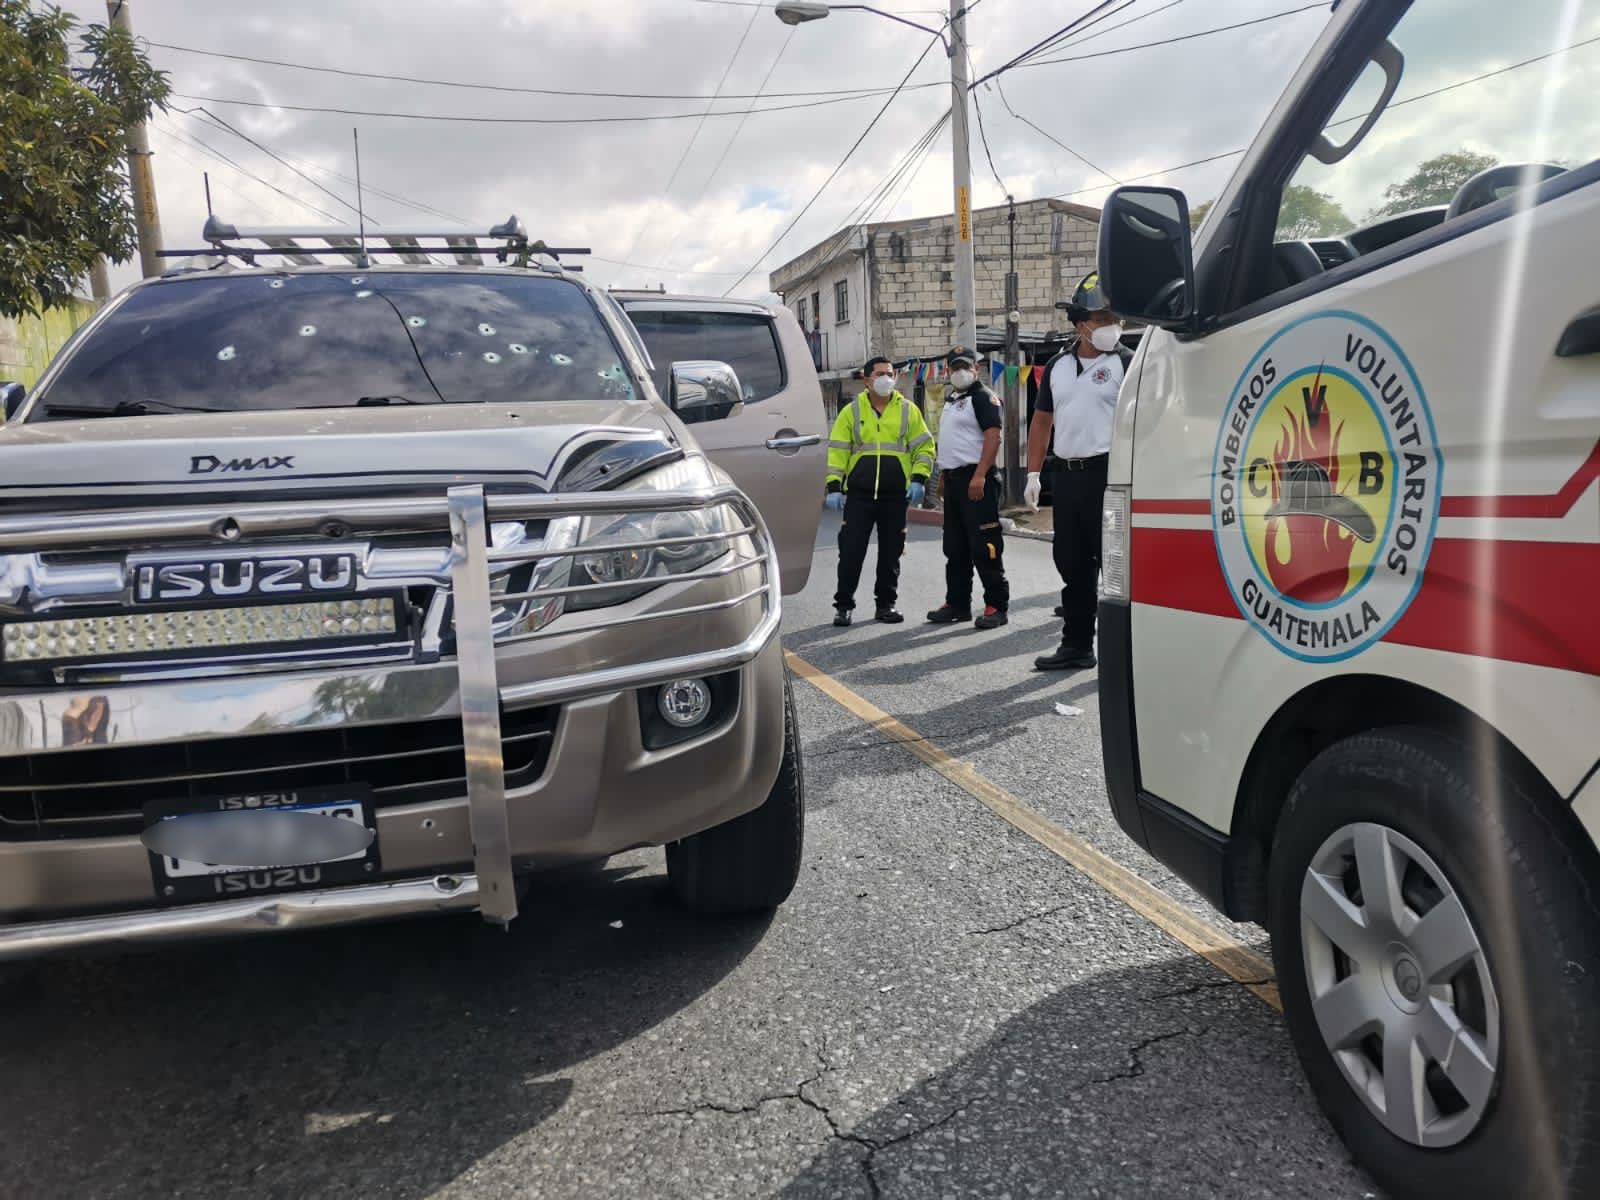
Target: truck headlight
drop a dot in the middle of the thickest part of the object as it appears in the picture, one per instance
(692, 545)
(1115, 542)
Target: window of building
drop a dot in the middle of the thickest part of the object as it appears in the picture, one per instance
(802, 314)
(841, 301)
(816, 309)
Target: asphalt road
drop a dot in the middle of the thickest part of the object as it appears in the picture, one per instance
(944, 1007)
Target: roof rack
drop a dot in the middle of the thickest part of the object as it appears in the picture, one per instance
(508, 242)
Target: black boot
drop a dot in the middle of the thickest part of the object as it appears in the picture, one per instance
(1067, 657)
(841, 617)
(945, 615)
(992, 618)
(889, 616)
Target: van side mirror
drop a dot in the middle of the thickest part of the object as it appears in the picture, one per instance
(11, 396)
(1147, 256)
(704, 391)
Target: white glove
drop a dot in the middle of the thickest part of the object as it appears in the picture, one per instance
(1030, 491)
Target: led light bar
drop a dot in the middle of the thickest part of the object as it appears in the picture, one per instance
(195, 629)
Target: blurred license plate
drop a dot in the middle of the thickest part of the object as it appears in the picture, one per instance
(181, 879)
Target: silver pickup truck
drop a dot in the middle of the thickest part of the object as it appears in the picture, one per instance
(335, 591)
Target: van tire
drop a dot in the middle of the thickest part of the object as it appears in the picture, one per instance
(751, 863)
(1517, 864)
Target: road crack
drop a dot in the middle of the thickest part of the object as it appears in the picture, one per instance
(1010, 925)
(1136, 1055)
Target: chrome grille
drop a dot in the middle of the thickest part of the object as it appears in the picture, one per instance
(98, 791)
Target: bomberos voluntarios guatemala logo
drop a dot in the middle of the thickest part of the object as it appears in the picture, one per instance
(1325, 487)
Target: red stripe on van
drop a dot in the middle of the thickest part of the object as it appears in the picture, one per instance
(1528, 602)
(1557, 505)
(1552, 506)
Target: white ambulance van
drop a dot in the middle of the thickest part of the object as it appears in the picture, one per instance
(1350, 617)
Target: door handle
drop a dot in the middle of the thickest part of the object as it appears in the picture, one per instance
(798, 442)
(1581, 337)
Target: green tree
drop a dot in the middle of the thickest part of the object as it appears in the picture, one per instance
(1198, 213)
(1433, 182)
(1306, 212)
(64, 195)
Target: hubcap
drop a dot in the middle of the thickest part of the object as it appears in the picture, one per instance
(1400, 985)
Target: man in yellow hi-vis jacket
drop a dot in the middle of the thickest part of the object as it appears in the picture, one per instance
(880, 456)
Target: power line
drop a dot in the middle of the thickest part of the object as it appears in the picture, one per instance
(1045, 133)
(705, 186)
(468, 85)
(248, 174)
(983, 136)
(487, 120)
(695, 136)
(245, 137)
(856, 145)
(1428, 95)
(1184, 37)
(1042, 45)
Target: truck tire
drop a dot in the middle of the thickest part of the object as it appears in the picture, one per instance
(1437, 943)
(748, 864)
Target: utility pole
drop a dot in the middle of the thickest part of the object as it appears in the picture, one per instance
(100, 282)
(966, 298)
(1013, 417)
(146, 217)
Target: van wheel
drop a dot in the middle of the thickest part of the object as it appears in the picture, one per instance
(1438, 953)
(749, 863)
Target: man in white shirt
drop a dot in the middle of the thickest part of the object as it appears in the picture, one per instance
(1079, 397)
(969, 440)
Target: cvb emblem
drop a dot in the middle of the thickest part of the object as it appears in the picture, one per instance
(235, 577)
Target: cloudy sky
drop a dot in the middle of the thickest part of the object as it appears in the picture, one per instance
(695, 203)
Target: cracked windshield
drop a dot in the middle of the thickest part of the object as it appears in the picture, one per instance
(723, 599)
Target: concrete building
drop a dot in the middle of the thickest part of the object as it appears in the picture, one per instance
(886, 288)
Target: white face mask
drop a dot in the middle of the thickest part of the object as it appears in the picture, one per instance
(1105, 338)
(883, 385)
(962, 378)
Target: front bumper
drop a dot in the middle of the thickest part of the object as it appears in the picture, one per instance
(600, 791)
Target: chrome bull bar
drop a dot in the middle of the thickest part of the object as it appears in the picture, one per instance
(467, 513)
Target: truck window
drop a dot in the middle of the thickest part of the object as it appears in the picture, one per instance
(328, 339)
(1482, 86)
(747, 342)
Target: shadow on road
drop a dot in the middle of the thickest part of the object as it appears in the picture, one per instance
(383, 1060)
(965, 727)
(1092, 1092)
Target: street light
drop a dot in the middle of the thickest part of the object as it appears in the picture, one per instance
(797, 12)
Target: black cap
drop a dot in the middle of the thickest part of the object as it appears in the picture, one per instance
(961, 354)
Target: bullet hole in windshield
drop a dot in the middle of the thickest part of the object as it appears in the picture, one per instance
(518, 348)
(357, 280)
(489, 356)
(276, 283)
(486, 329)
(416, 322)
(561, 360)
(308, 331)
(226, 354)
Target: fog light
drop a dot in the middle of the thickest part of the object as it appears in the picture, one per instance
(684, 703)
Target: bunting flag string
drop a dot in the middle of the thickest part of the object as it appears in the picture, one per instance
(996, 372)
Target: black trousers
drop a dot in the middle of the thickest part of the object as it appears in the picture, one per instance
(972, 538)
(863, 514)
(1077, 499)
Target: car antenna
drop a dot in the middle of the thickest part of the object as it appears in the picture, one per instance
(361, 216)
(206, 177)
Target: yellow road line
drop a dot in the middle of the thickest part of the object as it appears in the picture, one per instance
(1226, 953)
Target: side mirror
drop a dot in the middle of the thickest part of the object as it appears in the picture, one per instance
(11, 397)
(1147, 256)
(704, 391)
